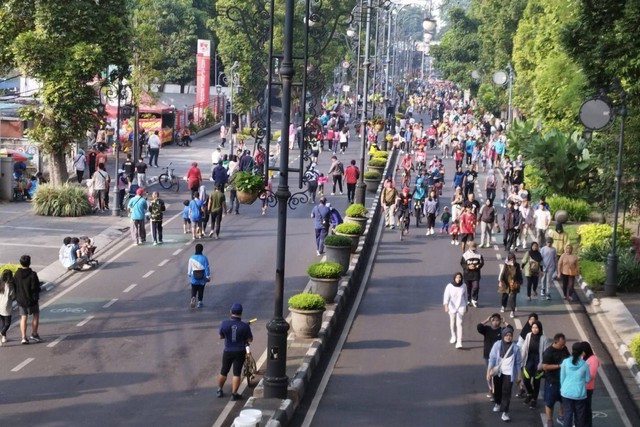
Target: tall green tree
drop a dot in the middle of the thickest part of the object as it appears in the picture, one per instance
(64, 44)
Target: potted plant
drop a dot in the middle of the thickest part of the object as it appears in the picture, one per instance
(324, 277)
(248, 186)
(357, 213)
(338, 249)
(377, 164)
(372, 178)
(351, 230)
(381, 153)
(306, 314)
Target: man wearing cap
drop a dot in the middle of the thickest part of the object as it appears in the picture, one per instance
(137, 207)
(549, 267)
(236, 335)
(321, 223)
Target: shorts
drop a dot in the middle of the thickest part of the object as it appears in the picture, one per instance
(467, 237)
(232, 357)
(32, 309)
(551, 394)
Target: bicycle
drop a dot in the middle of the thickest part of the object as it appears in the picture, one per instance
(403, 221)
(417, 207)
(249, 369)
(168, 179)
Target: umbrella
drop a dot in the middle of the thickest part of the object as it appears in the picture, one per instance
(18, 156)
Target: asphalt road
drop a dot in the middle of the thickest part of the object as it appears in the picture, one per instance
(396, 366)
(121, 347)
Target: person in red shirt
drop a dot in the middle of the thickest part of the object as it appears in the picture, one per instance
(351, 175)
(467, 226)
(194, 177)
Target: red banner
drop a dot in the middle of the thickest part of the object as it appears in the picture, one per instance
(203, 61)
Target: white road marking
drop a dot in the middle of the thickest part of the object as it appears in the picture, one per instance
(176, 252)
(65, 230)
(110, 303)
(187, 243)
(499, 257)
(148, 273)
(56, 341)
(23, 364)
(85, 321)
(29, 246)
(130, 288)
(518, 323)
(163, 262)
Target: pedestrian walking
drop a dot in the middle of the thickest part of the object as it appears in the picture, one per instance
(467, 222)
(122, 185)
(156, 209)
(593, 363)
(532, 268)
(223, 134)
(311, 175)
(430, 211)
(336, 171)
(343, 137)
(388, 198)
(549, 268)
(531, 350)
(321, 223)
(491, 185)
(487, 218)
(186, 222)
(503, 370)
(560, 239)
(27, 289)
(199, 272)
(137, 208)
(472, 263)
(129, 168)
(491, 331)
(351, 176)
(569, 269)
(542, 219)
(455, 304)
(219, 174)
(203, 195)
(194, 177)
(195, 215)
(509, 282)
(511, 223)
(445, 218)
(80, 164)
(101, 181)
(154, 145)
(7, 295)
(552, 358)
(574, 376)
(236, 335)
(141, 172)
(216, 208)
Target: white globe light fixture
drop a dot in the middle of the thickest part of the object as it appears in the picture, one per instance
(429, 25)
(351, 32)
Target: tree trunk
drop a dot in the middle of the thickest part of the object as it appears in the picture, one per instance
(58, 174)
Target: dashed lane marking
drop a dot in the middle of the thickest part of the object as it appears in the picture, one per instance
(163, 263)
(56, 341)
(110, 303)
(518, 323)
(85, 321)
(130, 288)
(148, 273)
(23, 364)
(176, 252)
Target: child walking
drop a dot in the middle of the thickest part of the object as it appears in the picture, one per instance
(322, 179)
(186, 221)
(445, 218)
(455, 230)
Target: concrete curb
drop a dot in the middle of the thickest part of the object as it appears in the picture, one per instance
(280, 412)
(621, 325)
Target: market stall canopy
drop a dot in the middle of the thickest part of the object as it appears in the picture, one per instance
(16, 155)
(148, 105)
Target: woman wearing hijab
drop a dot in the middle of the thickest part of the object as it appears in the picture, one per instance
(535, 343)
(593, 363)
(510, 279)
(505, 358)
(532, 267)
(574, 376)
(455, 303)
(523, 334)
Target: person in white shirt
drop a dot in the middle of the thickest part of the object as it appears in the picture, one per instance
(154, 149)
(223, 135)
(455, 303)
(542, 218)
(216, 157)
(80, 163)
(101, 181)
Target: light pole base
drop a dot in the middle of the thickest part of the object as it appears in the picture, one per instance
(361, 188)
(276, 382)
(611, 282)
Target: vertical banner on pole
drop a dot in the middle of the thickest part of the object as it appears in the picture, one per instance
(203, 61)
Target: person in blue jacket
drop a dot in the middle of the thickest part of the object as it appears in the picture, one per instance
(505, 356)
(574, 376)
(199, 274)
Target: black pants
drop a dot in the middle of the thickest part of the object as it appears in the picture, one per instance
(509, 300)
(431, 220)
(121, 194)
(510, 237)
(473, 289)
(532, 284)
(468, 188)
(216, 218)
(351, 192)
(567, 285)
(233, 201)
(532, 384)
(6, 322)
(197, 290)
(491, 194)
(79, 175)
(153, 155)
(156, 230)
(337, 179)
(502, 391)
(468, 158)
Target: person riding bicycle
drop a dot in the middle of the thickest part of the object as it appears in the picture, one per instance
(421, 159)
(407, 166)
(403, 208)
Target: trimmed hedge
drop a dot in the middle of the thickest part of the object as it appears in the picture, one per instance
(377, 162)
(335, 240)
(634, 347)
(349, 228)
(598, 234)
(577, 209)
(325, 269)
(373, 175)
(381, 153)
(356, 210)
(306, 301)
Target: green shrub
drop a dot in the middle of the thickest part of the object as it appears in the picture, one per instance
(381, 153)
(248, 182)
(349, 228)
(377, 162)
(591, 234)
(634, 347)
(335, 240)
(14, 267)
(628, 272)
(306, 301)
(592, 272)
(373, 175)
(356, 210)
(325, 269)
(577, 209)
(597, 252)
(65, 200)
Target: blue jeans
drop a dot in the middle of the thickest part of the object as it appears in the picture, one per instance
(321, 233)
(547, 281)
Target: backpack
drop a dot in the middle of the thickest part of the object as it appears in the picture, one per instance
(534, 266)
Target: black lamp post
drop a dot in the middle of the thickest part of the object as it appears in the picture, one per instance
(595, 114)
(361, 187)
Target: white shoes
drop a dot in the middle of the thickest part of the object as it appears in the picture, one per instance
(501, 309)
(505, 417)
(453, 339)
(459, 345)
(496, 408)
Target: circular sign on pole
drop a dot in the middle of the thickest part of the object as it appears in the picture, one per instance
(596, 113)
(500, 77)
(345, 64)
